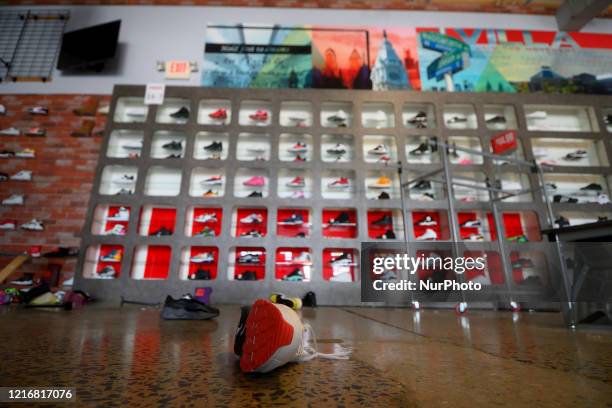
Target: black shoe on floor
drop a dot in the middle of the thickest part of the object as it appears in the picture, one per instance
(240, 335)
(187, 308)
(182, 113)
(309, 300)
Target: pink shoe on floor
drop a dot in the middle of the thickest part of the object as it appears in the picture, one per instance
(255, 181)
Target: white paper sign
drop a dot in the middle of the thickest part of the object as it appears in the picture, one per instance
(154, 94)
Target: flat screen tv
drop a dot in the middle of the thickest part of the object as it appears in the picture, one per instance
(89, 48)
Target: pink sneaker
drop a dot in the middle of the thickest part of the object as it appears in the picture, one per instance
(255, 181)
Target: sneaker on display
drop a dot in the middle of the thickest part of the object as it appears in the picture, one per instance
(382, 182)
(182, 113)
(252, 234)
(419, 120)
(6, 154)
(303, 258)
(132, 145)
(212, 181)
(118, 230)
(603, 199)
(380, 149)
(389, 234)
(384, 196)
(219, 114)
(136, 111)
(122, 214)
(537, 115)
(206, 232)
(550, 186)
(161, 232)
(422, 185)
(344, 259)
(299, 158)
(8, 225)
(421, 150)
(592, 187)
(425, 197)
(214, 147)
(249, 259)
(339, 118)
(208, 217)
(299, 147)
(173, 156)
(300, 234)
(561, 221)
(294, 219)
(23, 175)
(298, 181)
(253, 218)
(428, 235)
(259, 116)
(518, 238)
(339, 148)
(33, 225)
(203, 257)
(471, 224)
(295, 276)
(457, 119)
(187, 308)
(577, 155)
(173, 145)
(298, 121)
(37, 110)
(496, 119)
(36, 132)
(11, 131)
(255, 194)
(342, 218)
(124, 191)
(340, 183)
(26, 153)
(558, 198)
(210, 193)
(2, 110)
(247, 276)
(15, 199)
(384, 220)
(426, 221)
(475, 237)
(200, 274)
(124, 179)
(296, 195)
(255, 181)
(384, 159)
(112, 256)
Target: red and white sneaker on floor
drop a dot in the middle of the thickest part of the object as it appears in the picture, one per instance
(270, 335)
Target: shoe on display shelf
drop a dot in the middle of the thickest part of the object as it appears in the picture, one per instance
(561, 222)
(214, 147)
(206, 232)
(203, 257)
(212, 181)
(297, 195)
(200, 274)
(132, 145)
(421, 150)
(37, 110)
(161, 232)
(252, 218)
(425, 197)
(208, 217)
(26, 153)
(550, 186)
(187, 308)
(219, 114)
(299, 147)
(124, 179)
(384, 220)
(389, 234)
(117, 230)
(592, 187)
(259, 116)
(252, 234)
(576, 155)
(2, 110)
(255, 181)
(36, 132)
(603, 199)
(15, 199)
(518, 238)
(173, 145)
(255, 194)
(11, 131)
(295, 276)
(210, 193)
(294, 219)
(6, 154)
(339, 149)
(4, 176)
(419, 120)
(8, 225)
(471, 224)
(344, 259)
(602, 218)
(173, 156)
(303, 258)
(475, 237)
(122, 214)
(382, 182)
(426, 221)
(339, 118)
(298, 121)
(299, 158)
(182, 113)
(25, 280)
(428, 235)
(108, 272)
(300, 235)
(523, 263)
(496, 119)
(457, 119)
(124, 191)
(340, 183)
(558, 198)
(383, 196)
(465, 162)
(298, 182)
(537, 115)
(342, 219)
(256, 149)
(422, 185)
(379, 149)
(384, 159)
(247, 276)
(112, 256)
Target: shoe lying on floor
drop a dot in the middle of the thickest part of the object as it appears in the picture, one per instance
(187, 308)
(279, 298)
(271, 335)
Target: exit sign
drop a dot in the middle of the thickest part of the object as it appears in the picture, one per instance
(178, 70)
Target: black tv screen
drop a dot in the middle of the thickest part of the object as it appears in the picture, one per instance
(88, 48)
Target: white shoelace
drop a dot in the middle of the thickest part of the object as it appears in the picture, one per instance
(309, 351)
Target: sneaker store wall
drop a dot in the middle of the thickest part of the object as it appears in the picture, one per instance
(62, 174)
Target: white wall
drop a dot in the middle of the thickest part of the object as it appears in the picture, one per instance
(152, 33)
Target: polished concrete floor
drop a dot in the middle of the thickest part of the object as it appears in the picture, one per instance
(129, 357)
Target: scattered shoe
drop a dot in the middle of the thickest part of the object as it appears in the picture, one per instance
(253, 218)
(428, 235)
(214, 147)
(219, 114)
(38, 110)
(12, 131)
(187, 308)
(173, 145)
(23, 175)
(340, 183)
(204, 257)
(259, 116)
(181, 114)
(15, 199)
(426, 222)
(255, 181)
(161, 232)
(112, 256)
(33, 225)
(389, 234)
(8, 225)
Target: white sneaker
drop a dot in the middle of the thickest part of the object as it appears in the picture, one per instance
(26, 153)
(15, 199)
(12, 131)
(107, 273)
(33, 225)
(252, 219)
(303, 258)
(136, 145)
(104, 109)
(204, 257)
(342, 277)
(118, 230)
(211, 217)
(428, 235)
(123, 214)
(603, 199)
(8, 225)
(136, 111)
(2, 110)
(537, 115)
(124, 179)
(380, 149)
(38, 110)
(23, 175)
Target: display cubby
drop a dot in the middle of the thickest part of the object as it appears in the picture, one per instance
(293, 264)
(199, 263)
(256, 144)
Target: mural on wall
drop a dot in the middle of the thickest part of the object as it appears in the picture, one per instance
(475, 60)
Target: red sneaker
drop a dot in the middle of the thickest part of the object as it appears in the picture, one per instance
(342, 182)
(219, 114)
(259, 116)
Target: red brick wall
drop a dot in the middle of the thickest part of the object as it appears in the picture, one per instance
(62, 177)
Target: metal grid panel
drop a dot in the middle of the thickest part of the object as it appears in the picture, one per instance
(11, 26)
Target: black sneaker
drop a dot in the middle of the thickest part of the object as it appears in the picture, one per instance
(384, 220)
(26, 280)
(163, 231)
(173, 145)
(240, 335)
(296, 276)
(7, 153)
(342, 218)
(422, 149)
(124, 191)
(201, 274)
(558, 198)
(62, 252)
(561, 221)
(247, 276)
(187, 308)
(300, 235)
(422, 185)
(182, 113)
(255, 194)
(608, 119)
(592, 187)
(384, 196)
(4, 176)
(309, 300)
(295, 219)
(214, 147)
(174, 156)
(496, 119)
(419, 120)
(387, 235)
(248, 259)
